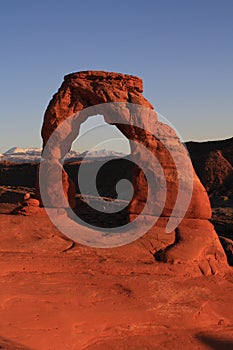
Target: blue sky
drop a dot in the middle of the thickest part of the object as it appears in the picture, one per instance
(182, 49)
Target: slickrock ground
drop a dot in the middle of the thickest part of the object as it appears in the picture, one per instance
(54, 295)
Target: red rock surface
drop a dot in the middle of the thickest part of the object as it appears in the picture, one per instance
(213, 162)
(56, 296)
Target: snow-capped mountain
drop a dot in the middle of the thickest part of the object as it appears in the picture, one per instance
(101, 153)
(22, 155)
(22, 151)
(33, 155)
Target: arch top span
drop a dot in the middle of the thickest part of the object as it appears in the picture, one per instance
(89, 88)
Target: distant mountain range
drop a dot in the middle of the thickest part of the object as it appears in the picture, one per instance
(33, 155)
(212, 161)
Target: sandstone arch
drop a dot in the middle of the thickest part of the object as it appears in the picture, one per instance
(195, 239)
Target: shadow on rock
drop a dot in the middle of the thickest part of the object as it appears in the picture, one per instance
(216, 343)
(8, 344)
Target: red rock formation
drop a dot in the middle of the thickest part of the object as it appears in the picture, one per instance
(213, 162)
(196, 240)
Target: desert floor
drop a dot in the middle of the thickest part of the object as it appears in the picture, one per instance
(54, 295)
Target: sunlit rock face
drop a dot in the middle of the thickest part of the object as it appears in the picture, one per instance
(194, 239)
(84, 89)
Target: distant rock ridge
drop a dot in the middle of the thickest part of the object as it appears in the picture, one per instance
(213, 162)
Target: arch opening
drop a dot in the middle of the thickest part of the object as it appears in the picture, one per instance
(95, 134)
(101, 142)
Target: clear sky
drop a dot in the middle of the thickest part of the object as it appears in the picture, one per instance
(182, 49)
